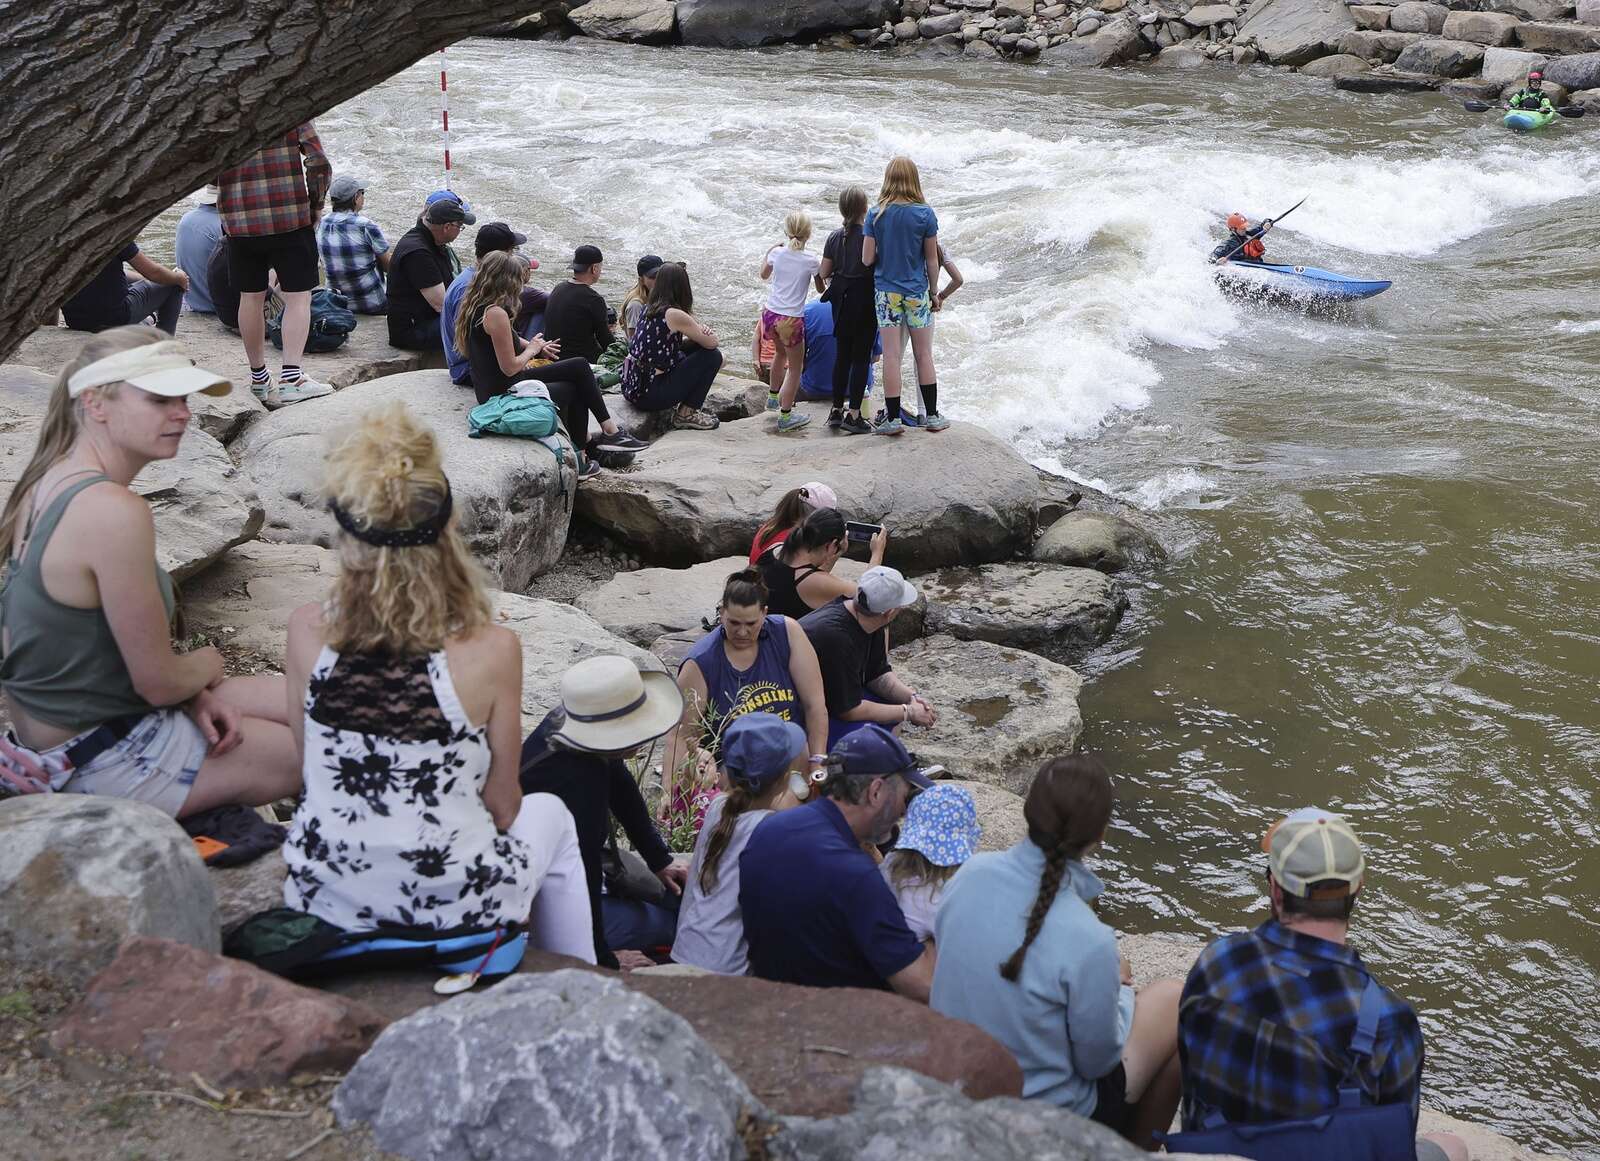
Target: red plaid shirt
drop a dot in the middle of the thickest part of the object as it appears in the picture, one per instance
(269, 193)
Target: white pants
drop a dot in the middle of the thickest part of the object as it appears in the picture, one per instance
(561, 920)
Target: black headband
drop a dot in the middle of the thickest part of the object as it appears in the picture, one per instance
(425, 533)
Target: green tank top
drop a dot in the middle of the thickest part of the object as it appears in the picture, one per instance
(64, 666)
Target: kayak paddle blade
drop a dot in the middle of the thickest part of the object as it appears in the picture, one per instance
(1476, 106)
(1572, 110)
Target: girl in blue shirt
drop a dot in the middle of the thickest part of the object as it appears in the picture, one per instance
(901, 244)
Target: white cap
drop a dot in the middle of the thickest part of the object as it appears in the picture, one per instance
(881, 589)
(207, 196)
(159, 368)
(819, 495)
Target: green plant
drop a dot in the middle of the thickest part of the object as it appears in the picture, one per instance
(16, 1006)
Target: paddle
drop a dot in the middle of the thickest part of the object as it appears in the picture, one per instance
(1483, 107)
(1265, 226)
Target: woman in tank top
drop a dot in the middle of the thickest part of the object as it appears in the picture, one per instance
(408, 717)
(751, 662)
(799, 572)
(100, 702)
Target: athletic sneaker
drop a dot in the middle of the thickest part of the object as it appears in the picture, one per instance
(835, 417)
(888, 426)
(588, 469)
(772, 401)
(297, 392)
(855, 425)
(695, 421)
(933, 421)
(794, 421)
(907, 419)
(623, 441)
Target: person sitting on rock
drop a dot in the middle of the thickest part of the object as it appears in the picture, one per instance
(579, 752)
(1269, 1016)
(673, 359)
(763, 758)
(941, 832)
(638, 296)
(1023, 956)
(799, 572)
(1244, 241)
(407, 706)
(1532, 98)
(99, 701)
(491, 236)
(421, 267)
(816, 910)
(793, 507)
(576, 315)
(110, 300)
(355, 254)
(498, 359)
(851, 637)
(750, 663)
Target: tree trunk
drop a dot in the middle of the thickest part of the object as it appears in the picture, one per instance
(115, 109)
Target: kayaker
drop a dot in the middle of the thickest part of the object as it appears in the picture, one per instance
(1532, 98)
(1243, 243)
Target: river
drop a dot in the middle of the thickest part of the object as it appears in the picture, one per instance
(1385, 594)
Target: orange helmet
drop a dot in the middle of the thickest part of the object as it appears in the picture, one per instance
(1237, 222)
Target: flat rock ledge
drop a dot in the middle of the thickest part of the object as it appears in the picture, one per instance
(1052, 609)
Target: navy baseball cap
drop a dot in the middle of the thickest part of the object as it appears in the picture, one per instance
(872, 749)
(756, 749)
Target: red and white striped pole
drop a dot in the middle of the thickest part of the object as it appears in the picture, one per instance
(444, 110)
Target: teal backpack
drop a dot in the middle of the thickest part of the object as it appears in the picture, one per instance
(526, 416)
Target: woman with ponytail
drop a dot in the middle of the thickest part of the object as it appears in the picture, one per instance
(1023, 956)
(763, 756)
(100, 702)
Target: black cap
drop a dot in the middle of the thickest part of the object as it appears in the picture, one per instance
(446, 211)
(649, 264)
(586, 256)
(494, 236)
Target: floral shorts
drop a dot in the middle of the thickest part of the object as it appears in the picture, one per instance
(785, 330)
(894, 308)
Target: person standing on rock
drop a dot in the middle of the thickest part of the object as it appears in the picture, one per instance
(99, 701)
(901, 244)
(407, 710)
(270, 204)
(791, 270)
(855, 320)
(673, 359)
(1271, 1022)
(1023, 956)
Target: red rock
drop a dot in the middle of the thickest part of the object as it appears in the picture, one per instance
(185, 1010)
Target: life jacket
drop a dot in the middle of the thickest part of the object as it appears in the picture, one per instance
(1253, 249)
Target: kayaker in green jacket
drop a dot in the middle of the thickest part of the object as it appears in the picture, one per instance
(1532, 98)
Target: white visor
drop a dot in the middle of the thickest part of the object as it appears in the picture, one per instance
(159, 368)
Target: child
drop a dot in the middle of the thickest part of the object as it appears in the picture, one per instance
(855, 323)
(941, 832)
(638, 296)
(791, 270)
(762, 351)
(956, 283)
(902, 245)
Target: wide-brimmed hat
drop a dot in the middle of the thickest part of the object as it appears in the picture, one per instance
(610, 706)
(207, 196)
(942, 825)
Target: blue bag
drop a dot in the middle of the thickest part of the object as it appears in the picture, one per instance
(300, 946)
(332, 320)
(526, 416)
(1351, 1131)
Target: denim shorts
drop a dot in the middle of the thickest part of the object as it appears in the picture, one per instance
(894, 308)
(155, 764)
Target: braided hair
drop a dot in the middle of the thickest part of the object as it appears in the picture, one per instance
(1068, 807)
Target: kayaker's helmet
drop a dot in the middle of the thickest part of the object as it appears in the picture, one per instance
(1238, 222)
(1535, 79)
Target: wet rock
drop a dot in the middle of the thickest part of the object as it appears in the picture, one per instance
(1470, 90)
(1417, 16)
(1113, 44)
(1206, 15)
(492, 1075)
(1575, 72)
(1292, 32)
(236, 1025)
(1589, 99)
(1559, 39)
(962, 495)
(906, 30)
(1373, 17)
(513, 500)
(1490, 28)
(1002, 711)
(1182, 56)
(897, 1113)
(1385, 81)
(1104, 540)
(635, 21)
(1046, 607)
(948, 45)
(1027, 47)
(748, 23)
(931, 26)
(1384, 47)
(1337, 65)
(1441, 58)
(1504, 66)
(79, 874)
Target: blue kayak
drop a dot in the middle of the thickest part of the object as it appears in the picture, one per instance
(1304, 283)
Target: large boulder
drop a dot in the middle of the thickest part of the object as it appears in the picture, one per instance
(748, 23)
(1374, 17)
(555, 637)
(190, 1012)
(1559, 39)
(730, 398)
(1529, 9)
(1381, 47)
(1050, 608)
(1491, 28)
(1505, 66)
(1575, 72)
(80, 874)
(637, 21)
(960, 496)
(569, 1066)
(1294, 32)
(1387, 81)
(1441, 58)
(1111, 44)
(513, 498)
(1589, 11)
(1338, 65)
(1002, 712)
(1418, 16)
(1589, 99)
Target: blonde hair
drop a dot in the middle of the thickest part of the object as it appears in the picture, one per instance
(639, 293)
(797, 228)
(908, 867)
(63, 417)
(852, 204)
(385, 473)
(498, 282)
(902, 184)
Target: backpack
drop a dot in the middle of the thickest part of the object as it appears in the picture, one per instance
(298, 945)
(526, 416)
(332, 320)
(1350, 1131)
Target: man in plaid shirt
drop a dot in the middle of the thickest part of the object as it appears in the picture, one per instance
(354, 251)
(1267, 1016)
(269, 205)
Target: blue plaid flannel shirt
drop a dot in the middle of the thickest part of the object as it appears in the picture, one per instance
(1264, 1030)
(350, 244)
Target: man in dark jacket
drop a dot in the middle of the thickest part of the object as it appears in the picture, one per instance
(1243, 243)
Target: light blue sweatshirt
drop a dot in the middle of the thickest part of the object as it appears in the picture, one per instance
(1067, 1016)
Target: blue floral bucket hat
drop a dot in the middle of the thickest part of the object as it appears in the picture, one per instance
(942, 824)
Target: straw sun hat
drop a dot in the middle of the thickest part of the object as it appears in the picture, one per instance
(610, 706)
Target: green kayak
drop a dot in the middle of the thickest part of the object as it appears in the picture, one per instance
(1523, 120)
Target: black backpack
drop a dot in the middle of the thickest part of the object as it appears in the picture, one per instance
(332, 320)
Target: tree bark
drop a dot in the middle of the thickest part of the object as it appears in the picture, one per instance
(115, 109)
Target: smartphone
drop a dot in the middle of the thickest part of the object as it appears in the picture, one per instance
(856, 530)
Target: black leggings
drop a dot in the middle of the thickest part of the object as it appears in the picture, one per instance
(687, 384)
(574, 392)
(853, 333)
